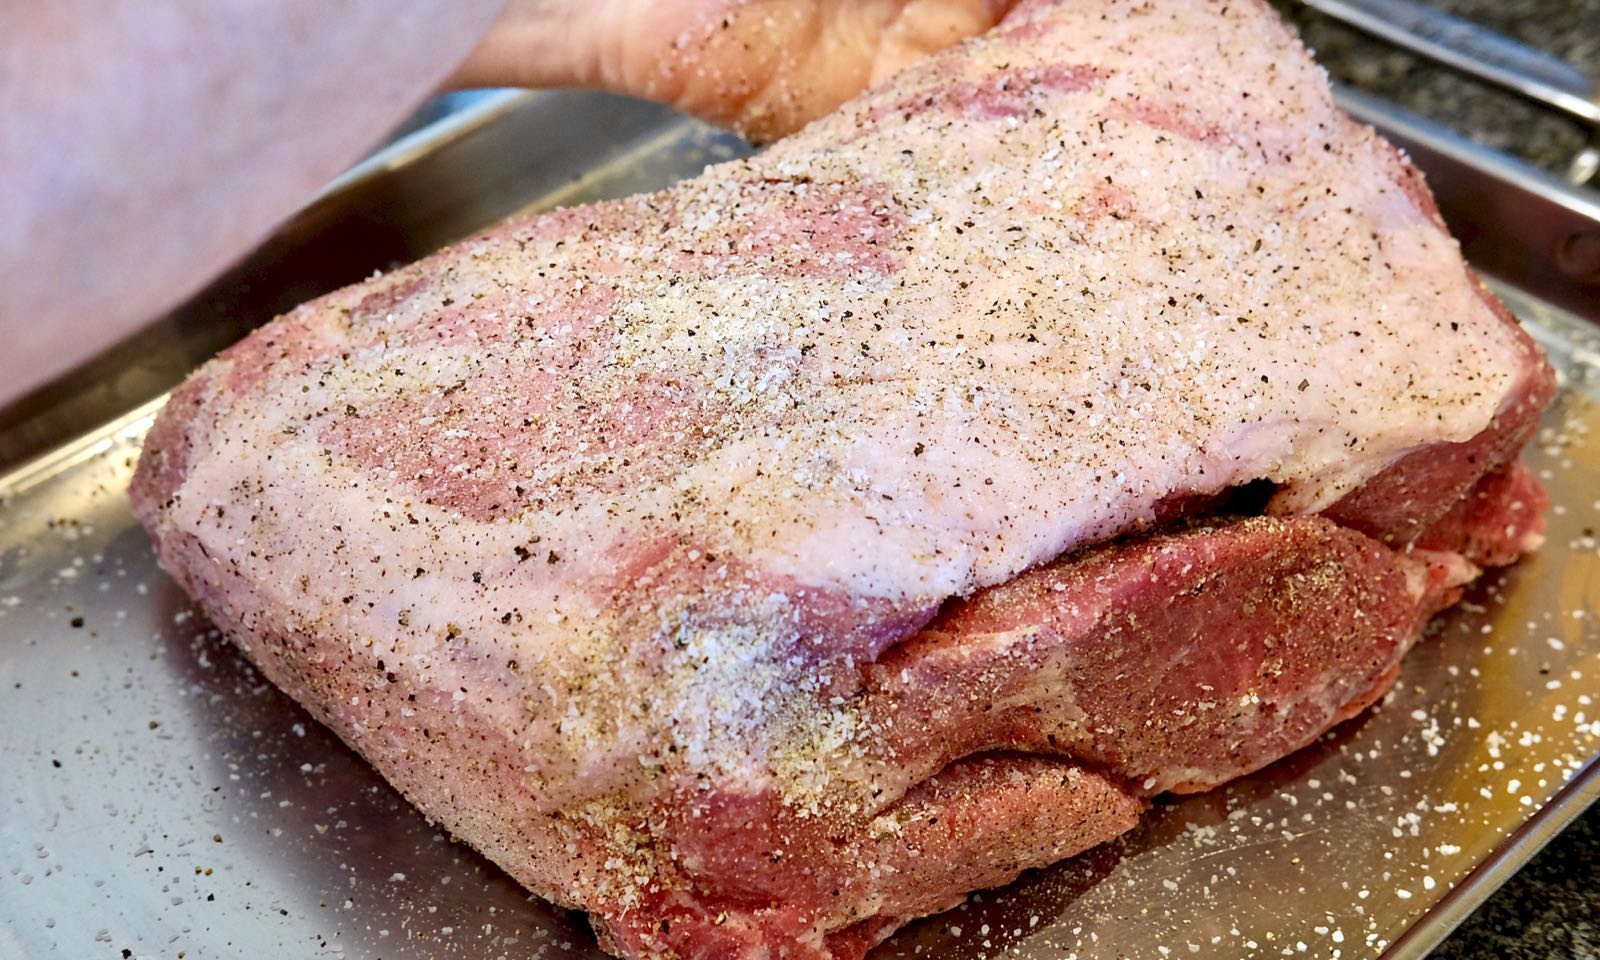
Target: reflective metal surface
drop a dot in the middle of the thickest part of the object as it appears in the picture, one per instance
(1474, 50)
(158, 797)
(1486, 55)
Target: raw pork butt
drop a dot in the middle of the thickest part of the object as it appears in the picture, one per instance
(1090, 412)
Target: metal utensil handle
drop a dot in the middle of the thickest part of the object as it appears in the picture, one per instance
(1472, 49)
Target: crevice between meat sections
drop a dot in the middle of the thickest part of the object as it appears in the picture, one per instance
(765, 563)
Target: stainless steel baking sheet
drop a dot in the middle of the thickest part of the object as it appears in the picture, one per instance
(159, 799)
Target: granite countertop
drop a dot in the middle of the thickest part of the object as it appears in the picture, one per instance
(1551, 909)
(1569, 29)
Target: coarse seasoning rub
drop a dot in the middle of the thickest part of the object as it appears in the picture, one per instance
(1091, 411)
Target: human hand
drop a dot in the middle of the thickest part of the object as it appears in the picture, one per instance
(763, 67)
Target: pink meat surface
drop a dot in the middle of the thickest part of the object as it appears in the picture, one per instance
(1091, 411)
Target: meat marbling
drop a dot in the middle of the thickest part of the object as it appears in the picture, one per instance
(1089, 412)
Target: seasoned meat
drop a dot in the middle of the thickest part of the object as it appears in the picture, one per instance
(1091, 411)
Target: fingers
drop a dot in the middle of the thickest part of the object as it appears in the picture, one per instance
(768, 67)
(763, 67)
(923, 27)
